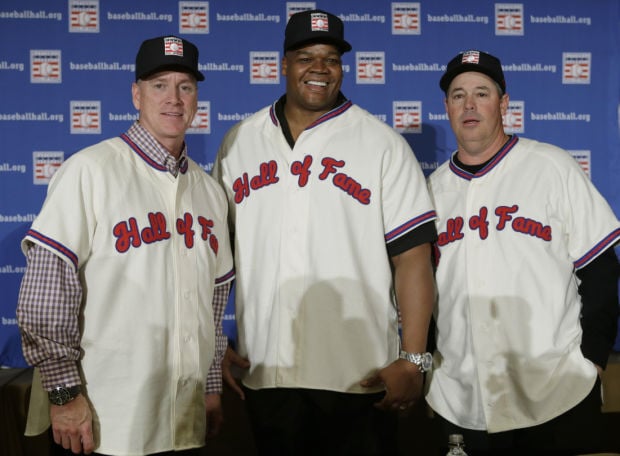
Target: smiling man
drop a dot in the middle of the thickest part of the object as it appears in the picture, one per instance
(331, 215)
(129, 266)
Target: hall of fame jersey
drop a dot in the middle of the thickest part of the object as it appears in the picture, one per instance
(149, 249)
(508, 329)
(314, 301)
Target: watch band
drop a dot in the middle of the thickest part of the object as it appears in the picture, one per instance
(424, 361)
(61, 395)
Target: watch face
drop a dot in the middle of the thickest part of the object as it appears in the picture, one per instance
(59, 396)
(427, 361)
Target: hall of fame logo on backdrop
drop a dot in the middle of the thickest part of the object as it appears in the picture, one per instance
(407, 116)
(297, 7)
(85, 117)
(45, 66)
(509, 19)
(193, 17)
(406, 19)
(583, 157)
(45, 164)
(514, 117)
(202, 120)
(84, 16)
(370, 67)
(576, 67)
(265, 67)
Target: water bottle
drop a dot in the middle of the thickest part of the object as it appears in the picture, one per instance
(456, 445)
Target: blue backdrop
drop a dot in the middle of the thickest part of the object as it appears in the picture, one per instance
(66, 67)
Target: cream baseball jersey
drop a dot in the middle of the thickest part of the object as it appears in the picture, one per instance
(314, 302)
(149, 249)
(508, 330)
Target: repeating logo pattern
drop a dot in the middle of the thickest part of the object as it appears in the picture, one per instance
(370, 67)
(194, 17)
(514, 117)
(297, 7)
(85, 117)
(265, 68)
(407, 116)
(45, 66)
(202, 120)
(45, 164)
(84, 16)
(406, 19)
(509, 19)
(583, 157)
(576, 67)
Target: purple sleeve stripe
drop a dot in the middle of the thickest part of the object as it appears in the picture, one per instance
(55, 246)
(597, 249)
(411, 224)
(229, 275)
(272, 114)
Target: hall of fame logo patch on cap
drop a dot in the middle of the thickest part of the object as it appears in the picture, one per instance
(45, 164)
(194, 17)
(406, 19)
(407, 116)
(173, 46)
(509, 19)
(83, 16)
(514, 118)
(202, 120)
(264, 67)
(470, 57)
(85, 117)
(45, 66)
(370, 67)
(319, 22)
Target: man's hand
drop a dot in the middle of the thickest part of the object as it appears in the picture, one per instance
(403, 383)
(231, 358)
(72, 425)
(215, 417)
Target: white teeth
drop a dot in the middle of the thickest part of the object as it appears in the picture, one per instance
(317, 83)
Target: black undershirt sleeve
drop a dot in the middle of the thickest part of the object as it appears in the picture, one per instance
(599, 313)
(421, 235)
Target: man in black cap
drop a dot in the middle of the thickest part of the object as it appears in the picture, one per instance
(129, 266)
(325, 200)
(527, 279)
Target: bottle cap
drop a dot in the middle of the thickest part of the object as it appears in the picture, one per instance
(455, 438)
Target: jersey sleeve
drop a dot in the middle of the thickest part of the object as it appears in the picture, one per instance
(592, 226)
(66, 222)
(406, 201)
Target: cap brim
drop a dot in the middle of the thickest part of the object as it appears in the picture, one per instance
(342, 45)
(183, 69)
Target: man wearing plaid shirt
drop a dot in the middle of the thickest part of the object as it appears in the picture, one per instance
(129, 266)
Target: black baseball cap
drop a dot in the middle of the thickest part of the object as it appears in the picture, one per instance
(473, 60)
(167, 53)
(315, 26)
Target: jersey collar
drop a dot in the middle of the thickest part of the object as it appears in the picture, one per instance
(153, 153)
(489, 166)
(276, 113)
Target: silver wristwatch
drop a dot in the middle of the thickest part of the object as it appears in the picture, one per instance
(424, 361)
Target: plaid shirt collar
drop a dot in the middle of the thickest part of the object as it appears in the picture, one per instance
(155, 151)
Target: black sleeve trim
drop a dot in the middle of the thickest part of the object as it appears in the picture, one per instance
(599, 312)
(421, 235)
